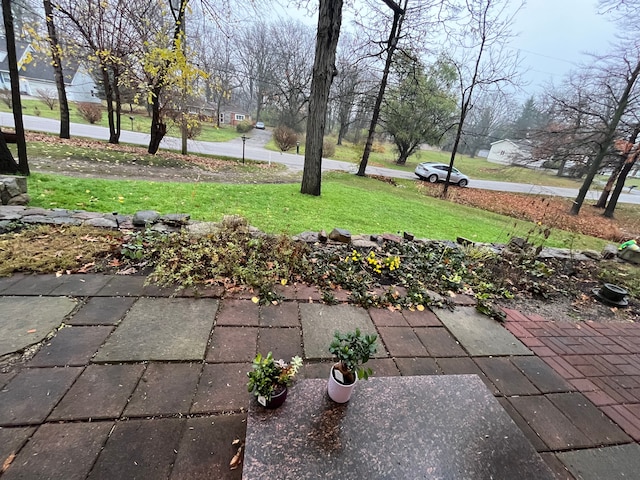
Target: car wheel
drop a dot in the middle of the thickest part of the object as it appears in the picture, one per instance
(433, 178)
(463, 182)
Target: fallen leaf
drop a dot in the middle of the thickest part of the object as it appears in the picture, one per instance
(58, 274)
(7, 462)
(420, 308)
(255, 299)
(33, 330)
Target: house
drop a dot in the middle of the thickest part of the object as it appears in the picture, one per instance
(510, 152)
(233, 116)
(36, 74)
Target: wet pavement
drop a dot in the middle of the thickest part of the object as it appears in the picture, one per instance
(123, 381)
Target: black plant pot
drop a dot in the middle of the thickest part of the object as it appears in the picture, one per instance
(611, 294)
(276, 400)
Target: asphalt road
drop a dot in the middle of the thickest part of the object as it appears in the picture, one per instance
(254, 150)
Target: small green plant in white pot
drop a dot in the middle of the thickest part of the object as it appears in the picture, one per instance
(352, 350)
(269, 379)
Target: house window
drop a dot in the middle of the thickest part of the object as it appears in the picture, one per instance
(239, 117)
(502, 152)
(221, 118)
(5, 77)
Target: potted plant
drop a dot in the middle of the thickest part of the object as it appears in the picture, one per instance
(269, 379)
(352, 350)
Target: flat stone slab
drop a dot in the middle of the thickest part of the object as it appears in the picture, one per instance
(480, 335)
(395, 427)
(319, 322)
(28, 320)
(102, 311)
(71, 346)
(161, 329)
(619, 462)
(60, 451)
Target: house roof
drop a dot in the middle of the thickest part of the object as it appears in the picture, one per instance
(523, 145)
(39, 68)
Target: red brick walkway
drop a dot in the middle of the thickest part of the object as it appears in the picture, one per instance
(601, 360)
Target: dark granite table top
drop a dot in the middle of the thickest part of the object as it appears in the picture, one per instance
(430, 427)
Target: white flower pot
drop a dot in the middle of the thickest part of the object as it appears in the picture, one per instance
(338, 392)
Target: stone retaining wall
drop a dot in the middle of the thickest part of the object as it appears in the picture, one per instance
(13, 190)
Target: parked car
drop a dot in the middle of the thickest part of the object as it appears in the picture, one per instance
(260, 125)
(434, 172)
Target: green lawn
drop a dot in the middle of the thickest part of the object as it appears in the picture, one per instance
(141, 120)
(361, 205)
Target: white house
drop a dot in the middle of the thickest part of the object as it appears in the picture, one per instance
(510, 152)
(37, 75)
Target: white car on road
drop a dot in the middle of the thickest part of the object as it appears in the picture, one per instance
(437, 172)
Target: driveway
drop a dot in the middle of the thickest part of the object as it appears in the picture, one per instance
(254, 150)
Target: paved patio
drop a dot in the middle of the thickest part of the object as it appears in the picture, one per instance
(139, 385)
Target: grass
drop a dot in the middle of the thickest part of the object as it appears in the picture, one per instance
(361, 205)
(141, 122)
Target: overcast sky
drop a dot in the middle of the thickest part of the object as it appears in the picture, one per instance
(555, 33)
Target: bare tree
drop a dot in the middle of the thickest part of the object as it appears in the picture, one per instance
(399, 9)
(56, 61)
(480, 57)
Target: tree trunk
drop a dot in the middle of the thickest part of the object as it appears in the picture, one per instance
(118, 99)
(621, 107)
(329, 21)
(604, 196)
(626, 168)
(23, 164)
(158, 128)
(398, 16)
(7, 163)
(57, 70)
(561, 167)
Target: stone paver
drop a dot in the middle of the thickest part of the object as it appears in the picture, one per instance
(507, 378)
(479, 334)
(319, 322)
(161, 329)
(234, 312)
(222, 388)
(80, 285)
(189, 356)
(285, 314)
(102, 311)
(28, 320)
(165, 389)
(139, 449)
(402, 342)
(426, 318)
(439, 342)
(612, 463)
(71, 346)
(123, 286)
(32, 394)
(12, 439)
(233, 344)
(206, 448)
(554, 428)
(284, 343)
(60, 452)
(101, 391)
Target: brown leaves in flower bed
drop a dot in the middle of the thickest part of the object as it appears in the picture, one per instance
(550, 211)
(49, 249)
